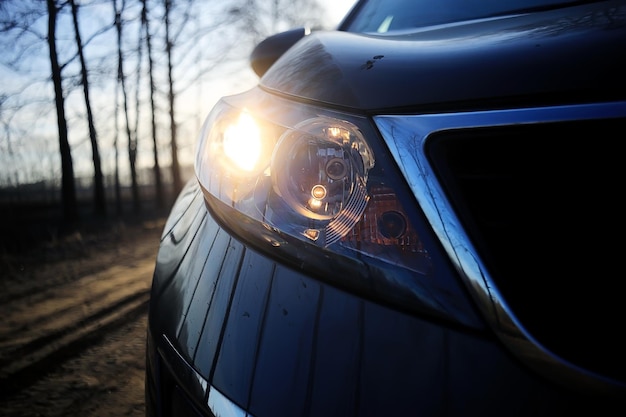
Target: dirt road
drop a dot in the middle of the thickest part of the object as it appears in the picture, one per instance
(105, 380)
(72, 335)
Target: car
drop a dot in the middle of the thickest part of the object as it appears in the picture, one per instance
(416, 214)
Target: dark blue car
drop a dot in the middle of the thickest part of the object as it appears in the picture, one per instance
(418, 214)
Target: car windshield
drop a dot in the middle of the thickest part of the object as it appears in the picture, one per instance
(380, 16)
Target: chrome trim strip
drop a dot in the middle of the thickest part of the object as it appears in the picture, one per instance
(185, 374)
(222, 406)
(406, 135)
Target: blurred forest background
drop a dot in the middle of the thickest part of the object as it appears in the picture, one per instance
(101, 101)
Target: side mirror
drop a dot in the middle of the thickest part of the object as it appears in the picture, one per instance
(272, 48)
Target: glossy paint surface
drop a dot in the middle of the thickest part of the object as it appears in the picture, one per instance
(524, 58)
(276, 342)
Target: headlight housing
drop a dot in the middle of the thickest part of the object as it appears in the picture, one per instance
(315, 189)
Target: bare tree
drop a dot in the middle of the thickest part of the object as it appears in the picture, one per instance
(132, 139)
(261, 18)
(68, 189)
(120, 75)
(121, 79)
(99, 196)
(176, 176)
(158, 183)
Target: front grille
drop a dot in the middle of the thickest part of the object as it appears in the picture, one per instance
(543, 205)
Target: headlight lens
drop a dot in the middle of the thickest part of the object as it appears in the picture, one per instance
(304, 184)
(319, 172)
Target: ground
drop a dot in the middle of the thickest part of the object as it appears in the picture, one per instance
(104, 375)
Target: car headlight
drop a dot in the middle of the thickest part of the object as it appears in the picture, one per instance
(316, 189)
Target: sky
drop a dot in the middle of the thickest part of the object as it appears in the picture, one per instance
(338, 8)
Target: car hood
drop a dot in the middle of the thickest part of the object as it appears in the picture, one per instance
(573, 53)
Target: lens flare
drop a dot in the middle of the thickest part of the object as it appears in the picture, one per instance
(242, 142)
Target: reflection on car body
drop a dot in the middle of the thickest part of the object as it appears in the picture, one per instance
(423, 222)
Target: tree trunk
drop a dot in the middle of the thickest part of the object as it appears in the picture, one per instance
(132, 142)
(118, 188)
(158, 183)
(99, 196)
(176, 178)
(68, 189)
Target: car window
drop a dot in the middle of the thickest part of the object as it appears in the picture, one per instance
(381, 16)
